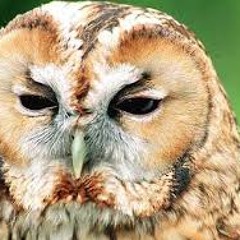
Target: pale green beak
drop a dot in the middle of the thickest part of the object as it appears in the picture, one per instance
(78, 153)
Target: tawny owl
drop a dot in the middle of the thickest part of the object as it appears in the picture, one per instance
(113, 125)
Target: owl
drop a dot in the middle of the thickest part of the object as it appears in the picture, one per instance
(113, 125)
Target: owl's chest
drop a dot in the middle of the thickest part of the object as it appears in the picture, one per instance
(71, 222)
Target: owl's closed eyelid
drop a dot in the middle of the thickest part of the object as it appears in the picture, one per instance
(20, 89)
(34, 103)
(34, 88)
(157, 94)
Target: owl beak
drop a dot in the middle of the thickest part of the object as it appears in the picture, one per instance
(78, 153)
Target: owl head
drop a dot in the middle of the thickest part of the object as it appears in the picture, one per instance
(110, 105)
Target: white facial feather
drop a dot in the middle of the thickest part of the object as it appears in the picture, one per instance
(110, 81)
(56, 78)
(34, 184)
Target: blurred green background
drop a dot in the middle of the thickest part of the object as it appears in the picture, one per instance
(216, 23)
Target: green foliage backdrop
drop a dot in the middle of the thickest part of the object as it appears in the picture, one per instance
(216, 23)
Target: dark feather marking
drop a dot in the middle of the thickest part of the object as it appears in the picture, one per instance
(182, 174)
(111, 233)
(183, 177)
(106, 18)
(4, 190)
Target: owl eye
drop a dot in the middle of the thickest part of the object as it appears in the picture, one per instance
(138, 105)
(36, 103)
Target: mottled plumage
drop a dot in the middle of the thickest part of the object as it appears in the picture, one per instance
(113, 125)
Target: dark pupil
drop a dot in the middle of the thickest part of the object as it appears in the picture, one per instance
(36, 102)
(138, 106)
